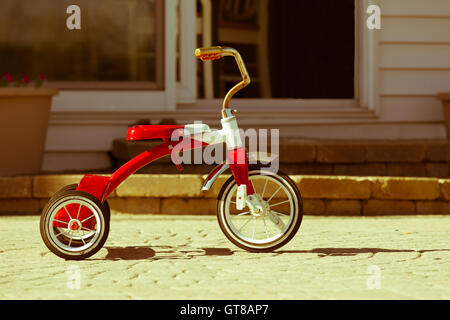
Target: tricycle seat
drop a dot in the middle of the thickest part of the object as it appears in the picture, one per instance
(150, 132)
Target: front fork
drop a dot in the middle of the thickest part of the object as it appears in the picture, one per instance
(238, 162)
(246, 195)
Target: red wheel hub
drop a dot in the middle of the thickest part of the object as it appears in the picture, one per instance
(74, 225)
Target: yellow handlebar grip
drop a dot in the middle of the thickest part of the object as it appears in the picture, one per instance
(211, 53)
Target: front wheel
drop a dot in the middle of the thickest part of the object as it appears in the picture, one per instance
(271, 229)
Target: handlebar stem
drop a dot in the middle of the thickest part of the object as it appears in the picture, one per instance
(244, 73)
(215, 53)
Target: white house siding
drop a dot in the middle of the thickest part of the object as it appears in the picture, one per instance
(413, 63)
(414, 58)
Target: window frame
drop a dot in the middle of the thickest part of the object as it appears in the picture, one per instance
(127, 85)
(186, 87)
(80, 97)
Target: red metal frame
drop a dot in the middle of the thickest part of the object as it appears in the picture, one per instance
(237, 159)
(102, 186)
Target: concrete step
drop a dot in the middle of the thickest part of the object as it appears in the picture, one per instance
(181, 194)
(419, 158)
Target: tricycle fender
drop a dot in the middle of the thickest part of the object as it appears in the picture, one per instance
(217, 171)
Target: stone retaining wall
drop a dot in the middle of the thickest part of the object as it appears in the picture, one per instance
(181, 194)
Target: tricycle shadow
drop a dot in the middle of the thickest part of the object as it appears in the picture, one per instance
(153, 253)
(340, 252)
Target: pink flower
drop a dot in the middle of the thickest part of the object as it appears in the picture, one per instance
(42, 77)
(8, 77)
(26, 79)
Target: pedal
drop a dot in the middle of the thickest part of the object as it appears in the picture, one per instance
(276, 220)
(241, 196)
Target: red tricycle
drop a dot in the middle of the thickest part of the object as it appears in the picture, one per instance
(258, 210)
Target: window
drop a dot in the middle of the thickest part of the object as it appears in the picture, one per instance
(294, 49)
(119, 46)
(143, 50)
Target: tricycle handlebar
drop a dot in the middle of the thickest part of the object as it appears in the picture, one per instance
(215, 53)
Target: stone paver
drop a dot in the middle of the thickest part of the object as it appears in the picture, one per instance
(188, 257)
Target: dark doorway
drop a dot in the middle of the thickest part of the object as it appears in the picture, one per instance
(310, 47)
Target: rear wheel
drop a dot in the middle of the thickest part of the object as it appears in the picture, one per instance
(74, 186)
(73, 225)
(66, 188)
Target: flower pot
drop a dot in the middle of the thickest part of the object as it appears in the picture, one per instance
(24, 114)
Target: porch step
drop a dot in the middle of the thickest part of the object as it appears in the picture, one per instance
(181, 194)
(418, 158)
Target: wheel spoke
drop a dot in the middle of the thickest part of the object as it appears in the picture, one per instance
(254, 189)
(88, 218)
(67, 212)
(86, 229)
(254, 228)
(277, 204)
(265, 227)
(271, 197)
(242, 214)
(248, 220)
(79, 209)
(264, 189)
(60, 221)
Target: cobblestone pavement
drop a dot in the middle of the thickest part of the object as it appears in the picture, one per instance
(188, 257)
